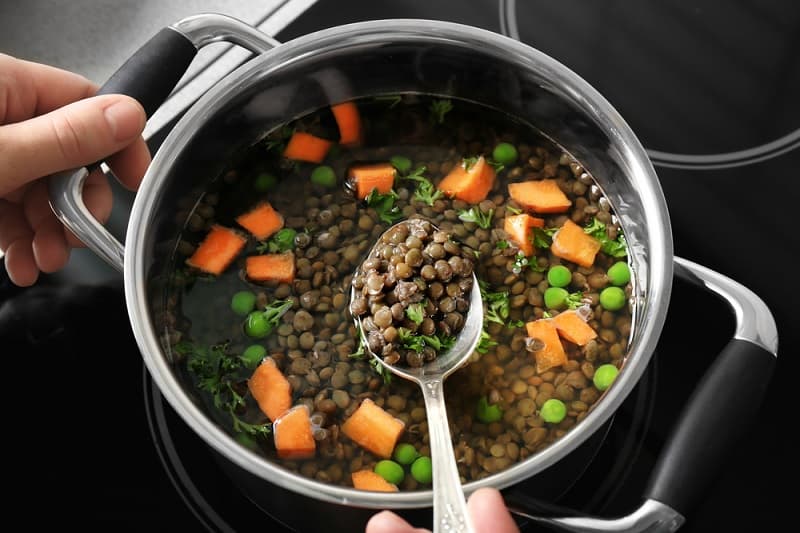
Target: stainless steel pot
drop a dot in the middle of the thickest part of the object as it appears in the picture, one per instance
(283, 81)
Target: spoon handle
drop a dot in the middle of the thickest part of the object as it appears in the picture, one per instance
(449, 505)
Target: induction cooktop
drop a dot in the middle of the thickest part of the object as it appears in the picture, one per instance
(710, 88)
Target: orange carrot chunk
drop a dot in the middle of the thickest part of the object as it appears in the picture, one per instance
(552, 352)
(294, 438)
(543, 196)
(471, 185)
(373, 428)
(277, 268)
(573, 328)
(262, 221)
(519, 230)
(349, 122)
(271, 389)
(378, 176)
(570, 242)
(369, 480)
(218, 250)
(306, 147)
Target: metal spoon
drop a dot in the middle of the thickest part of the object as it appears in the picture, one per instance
(449, 504)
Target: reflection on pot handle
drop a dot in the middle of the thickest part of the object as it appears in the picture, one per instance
(149, 76)
(700, 443)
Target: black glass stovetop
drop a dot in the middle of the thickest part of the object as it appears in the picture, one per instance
(710, 87)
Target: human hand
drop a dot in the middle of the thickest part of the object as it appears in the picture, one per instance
(486, 508)
(49, 122)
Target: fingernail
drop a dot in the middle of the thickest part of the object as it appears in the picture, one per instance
(125, 118)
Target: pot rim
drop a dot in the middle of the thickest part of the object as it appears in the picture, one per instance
(659, 264)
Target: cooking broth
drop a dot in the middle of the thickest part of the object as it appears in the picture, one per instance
(534, 375)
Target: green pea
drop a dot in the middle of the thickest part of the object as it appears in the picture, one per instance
(612, 298)
(559, 276)
(323, 175)
(505, 154)
(555, 297)
(264, 182)
(243, 302)
(390, 471)
(422, 469)
(256, 325)
(405, 453)
(604, 376)
(253, 355)
(488, 413)
(401, 163)
(553, 411)
(619, 273)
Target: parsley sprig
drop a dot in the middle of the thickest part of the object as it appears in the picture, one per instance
(384, 205)
(282, 241)
(425, 191)
(217, 372)
(474, 214)
(614, 247)
(438, 109)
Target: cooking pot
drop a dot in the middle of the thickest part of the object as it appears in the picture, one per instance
(284, 81)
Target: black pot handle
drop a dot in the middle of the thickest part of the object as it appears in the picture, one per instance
(152, 72)
(713, 421)
(149, 76)
(715, 417)
(717, 414)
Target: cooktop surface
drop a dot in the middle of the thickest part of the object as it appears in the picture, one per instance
(710, 88)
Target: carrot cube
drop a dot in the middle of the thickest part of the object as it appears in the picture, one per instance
(306, 147)
(543, 196)
(373, 428)
(271, 389)
(262, 221)
(519, 230)
(294, 437)
(369, 480)
(278, 268)
(471, 185)
(218, 250)
(349, 122)
(570, 242)
(552, 352)
(379, 176)
(573, 328)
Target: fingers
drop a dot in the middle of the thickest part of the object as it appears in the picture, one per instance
(388, 522)
(489, 512)
(29, 89)
(130, 164)
(98, 199)
(72, 136)
(15, 238)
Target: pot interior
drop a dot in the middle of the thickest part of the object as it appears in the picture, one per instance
(378, 59)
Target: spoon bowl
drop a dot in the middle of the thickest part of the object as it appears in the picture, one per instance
(449, 505)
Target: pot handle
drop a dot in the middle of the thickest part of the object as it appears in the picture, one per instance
(704, 436)
(718, 414)
(148, 76)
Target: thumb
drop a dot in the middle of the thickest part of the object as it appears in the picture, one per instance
(72, 136)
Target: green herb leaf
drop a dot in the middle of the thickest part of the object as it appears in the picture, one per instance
(384, 205)
(276, 140)
(474, 214)
(280, 242)
(361, 351)
(469, 162)
(574, 300)
(438, 109)
(613, 247)
(417, 342)
(543, 237)
(485, 343)
(515, 323)
(416, 313)
(547, 314)
(425, 191)
(501, 244)
(379, 369)
(497, 166)
(513, 210)
(497, 306)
